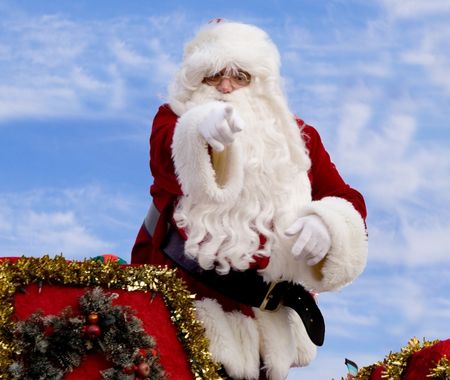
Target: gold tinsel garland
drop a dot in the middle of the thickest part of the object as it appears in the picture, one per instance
(395, 364)
(442, 369)
(25, 271)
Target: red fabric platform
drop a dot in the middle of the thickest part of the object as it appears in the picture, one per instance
(52, 299)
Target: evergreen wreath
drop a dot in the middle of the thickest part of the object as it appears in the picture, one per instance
(50, 346)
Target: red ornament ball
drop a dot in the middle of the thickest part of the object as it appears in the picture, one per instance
(128, 370)
(93, 331)
(143, 370)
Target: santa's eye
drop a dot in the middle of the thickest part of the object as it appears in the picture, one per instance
(242, 77)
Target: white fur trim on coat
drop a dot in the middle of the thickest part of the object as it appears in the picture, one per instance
(193, 164)
(233, 339)
(284, 342)
(238, 341)
(348, 254)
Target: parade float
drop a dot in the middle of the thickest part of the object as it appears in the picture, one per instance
(106, 320)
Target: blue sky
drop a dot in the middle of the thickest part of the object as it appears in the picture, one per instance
(81, 81)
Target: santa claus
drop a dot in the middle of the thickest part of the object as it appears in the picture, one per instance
(263, 215)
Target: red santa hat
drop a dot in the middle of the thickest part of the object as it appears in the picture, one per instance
(225, 44)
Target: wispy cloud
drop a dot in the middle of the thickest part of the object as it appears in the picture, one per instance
(432, 54)
(47, 40)
(72, 221)
(403, 178)
(57, 67)
(127, 56)
(415, 8)
(57, 232)
(376, 92)
(386, 309)
(23, 101)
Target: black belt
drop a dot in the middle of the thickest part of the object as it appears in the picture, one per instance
(249, 288)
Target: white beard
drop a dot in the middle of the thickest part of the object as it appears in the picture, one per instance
(275, 164)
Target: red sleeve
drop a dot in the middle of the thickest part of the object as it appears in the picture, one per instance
(164, 190)
(325, 178)
(165, 184)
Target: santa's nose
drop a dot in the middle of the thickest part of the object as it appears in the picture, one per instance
(225, 86)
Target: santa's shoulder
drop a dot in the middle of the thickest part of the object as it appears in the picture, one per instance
(309, 133)
(165, 110)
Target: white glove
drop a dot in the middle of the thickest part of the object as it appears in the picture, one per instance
(313, 242)
(220, 125)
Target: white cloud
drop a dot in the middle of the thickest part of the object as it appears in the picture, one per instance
(427, 243)
(354, 119)
(56, 232)
(417, 57)
(398, 131)
(86, 81)
(126, 55)
(53, 66)
(418, 240)
(408, 300)
(118, 98)
(34, 233)
(432, 53)
(415, 8)
(379, 69)
(323, 90)
(342, 320)
(21, 101)
(404, 178)
(400, 303)
(299, 37)
(48, 40)
(78, 222)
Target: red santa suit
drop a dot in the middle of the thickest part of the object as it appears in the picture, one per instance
(276, 171)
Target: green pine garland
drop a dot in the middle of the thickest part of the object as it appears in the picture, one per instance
(51, 346)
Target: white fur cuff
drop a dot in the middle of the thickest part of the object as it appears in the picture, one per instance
(193, 163)
(348, 254)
